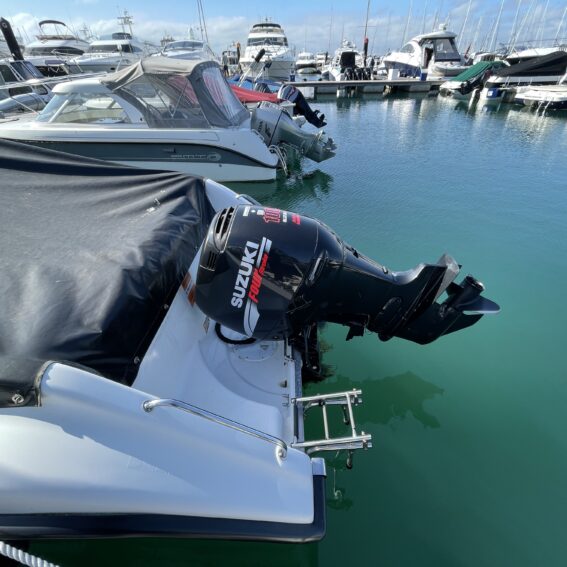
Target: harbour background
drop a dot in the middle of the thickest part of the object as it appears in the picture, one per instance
(469, 463)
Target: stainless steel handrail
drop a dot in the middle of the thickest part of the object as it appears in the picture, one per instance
(149, 405)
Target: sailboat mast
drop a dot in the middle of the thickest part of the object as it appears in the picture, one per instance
(513, 34)
(542, 23)
(557, 36)
(496, 26)
(366, 22)
(365, 38)
(330, 31)
(464, 24)
(202, 23)
(407, 24)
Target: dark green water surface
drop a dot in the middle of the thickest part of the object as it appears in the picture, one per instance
(469, 464)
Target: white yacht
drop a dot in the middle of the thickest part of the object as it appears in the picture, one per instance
(306, 63)
(115, 51)
(278, 62)
(162, 113)
(157, 330)
(55, 39)
(433, 53)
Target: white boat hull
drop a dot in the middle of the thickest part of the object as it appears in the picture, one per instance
(90, 460)
(279, 69)
(222, 155)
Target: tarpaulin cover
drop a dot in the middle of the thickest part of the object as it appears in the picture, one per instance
(184, 85)
(552, 64)
(92, 253)
(246, 95)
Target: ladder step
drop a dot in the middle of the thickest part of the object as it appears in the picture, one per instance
(347, 400)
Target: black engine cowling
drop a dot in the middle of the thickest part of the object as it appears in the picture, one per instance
(268, 273)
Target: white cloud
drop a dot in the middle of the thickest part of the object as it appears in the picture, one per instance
(385, 31)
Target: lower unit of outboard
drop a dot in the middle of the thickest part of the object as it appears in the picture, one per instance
(277, 127)
(273, 274)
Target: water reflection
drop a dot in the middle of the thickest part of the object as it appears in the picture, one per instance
(389, 399)
(149, 552)
(337, 498)
(289, 192)
(386, 401)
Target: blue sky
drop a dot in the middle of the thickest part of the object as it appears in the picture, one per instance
(314, 24)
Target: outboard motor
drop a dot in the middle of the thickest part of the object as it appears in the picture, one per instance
(269, 274)
(301, 106)
(276, 127)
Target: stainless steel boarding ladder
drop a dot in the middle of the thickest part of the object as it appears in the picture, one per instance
(347, 400)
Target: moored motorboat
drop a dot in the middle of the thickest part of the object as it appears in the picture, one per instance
(59, 41)
(473, 79)
(54, 47)
(156, 329)
(544, 97)
(347, 63)
(537, 70)
(434, 54)
(115, 51)
(161, 113)
(306, 63)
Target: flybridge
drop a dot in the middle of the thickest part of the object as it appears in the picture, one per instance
(266, 25)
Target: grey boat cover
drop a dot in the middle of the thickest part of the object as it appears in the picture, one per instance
(92, 254)
(187, 87)
(551, 64)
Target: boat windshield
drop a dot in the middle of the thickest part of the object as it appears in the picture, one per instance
(112, 48)
(19, 71)
(83, 108)
(184, 45)
(7, 75)
(444, 49)
(267, 40)
(201, 99)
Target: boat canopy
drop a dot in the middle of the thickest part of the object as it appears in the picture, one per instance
(92, 254)
(553, 64)
(476, 70)
(179, 93)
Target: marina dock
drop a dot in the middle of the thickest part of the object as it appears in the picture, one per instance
(311, 89)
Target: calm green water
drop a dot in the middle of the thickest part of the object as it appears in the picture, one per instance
(469, 465)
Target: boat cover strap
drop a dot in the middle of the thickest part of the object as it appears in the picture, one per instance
(92, 255)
